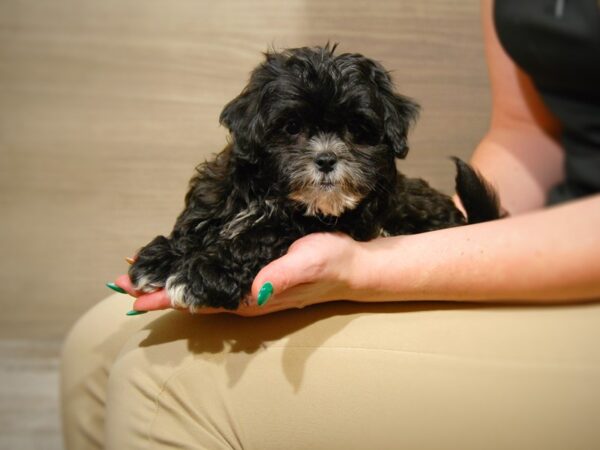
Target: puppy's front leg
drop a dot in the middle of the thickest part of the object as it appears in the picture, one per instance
(221, 275)
(153, 264)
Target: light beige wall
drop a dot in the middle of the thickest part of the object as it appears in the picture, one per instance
(106, 106)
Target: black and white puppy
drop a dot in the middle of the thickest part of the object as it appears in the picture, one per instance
(314, 139)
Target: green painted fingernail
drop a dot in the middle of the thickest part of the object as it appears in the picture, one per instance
(133, 312)
(265, 293)
(116, 288)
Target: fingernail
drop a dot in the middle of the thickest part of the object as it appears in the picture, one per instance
(133, 312)
(265, 293)
(129, 260)
(116, 288)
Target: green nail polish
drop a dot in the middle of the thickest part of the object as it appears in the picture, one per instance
(265, 293)
(133, 312)
(116, 288)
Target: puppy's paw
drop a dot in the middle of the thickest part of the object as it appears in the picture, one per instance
(176, 289)
(152, 266)
(200, 283)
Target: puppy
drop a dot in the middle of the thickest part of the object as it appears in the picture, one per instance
(314, 139)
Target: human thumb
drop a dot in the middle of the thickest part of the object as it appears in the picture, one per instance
(280, 275)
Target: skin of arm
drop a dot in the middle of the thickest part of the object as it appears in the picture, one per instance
(520, 155)
(550, 255)
(535, 256)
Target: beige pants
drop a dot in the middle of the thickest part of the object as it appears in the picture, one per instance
(335, 376)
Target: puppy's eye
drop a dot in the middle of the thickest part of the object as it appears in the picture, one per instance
(293, 127)
(362, 133)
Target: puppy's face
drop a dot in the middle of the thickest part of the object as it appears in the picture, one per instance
(326, 128)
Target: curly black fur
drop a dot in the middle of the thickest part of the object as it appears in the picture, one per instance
(314, 141)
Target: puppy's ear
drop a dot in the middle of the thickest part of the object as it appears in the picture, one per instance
(244, 121)
(400, 112)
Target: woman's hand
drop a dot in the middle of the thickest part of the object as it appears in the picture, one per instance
(317, 268)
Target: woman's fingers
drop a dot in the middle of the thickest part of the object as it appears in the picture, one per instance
(124, 282)
(154, 301)
(144, 301)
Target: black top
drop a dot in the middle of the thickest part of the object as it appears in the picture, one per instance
(557, 43)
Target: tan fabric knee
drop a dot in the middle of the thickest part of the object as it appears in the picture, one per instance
(340, 375)
(88, 355)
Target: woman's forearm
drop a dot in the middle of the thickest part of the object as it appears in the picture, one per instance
(547, 255)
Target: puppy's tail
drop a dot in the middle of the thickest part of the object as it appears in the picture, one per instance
(478, 197)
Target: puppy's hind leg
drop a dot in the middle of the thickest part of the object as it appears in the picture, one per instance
(416, 208)
(153, 265)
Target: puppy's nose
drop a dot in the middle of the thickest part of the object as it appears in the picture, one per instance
(326, 161)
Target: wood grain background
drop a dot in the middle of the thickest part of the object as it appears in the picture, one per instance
(106, 106)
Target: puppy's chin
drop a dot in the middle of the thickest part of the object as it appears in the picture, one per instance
(329, 200)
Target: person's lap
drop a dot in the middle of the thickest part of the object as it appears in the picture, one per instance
(338, 375)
